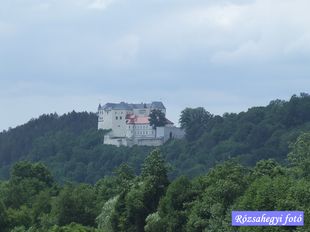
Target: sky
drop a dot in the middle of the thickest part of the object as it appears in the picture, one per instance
(223, 55)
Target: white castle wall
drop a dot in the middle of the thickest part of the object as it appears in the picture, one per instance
(123, 134)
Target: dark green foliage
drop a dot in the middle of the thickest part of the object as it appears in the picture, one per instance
(157, 118)
(141, 199)
(124, 176)
(76, 204)
(268, 168)
(31, 201)
(27, 180)
(259, 133)
(174, 205)
(107, 187)
(154, 223)
(3, 216)
(194, 121)
(300, 155)
(71, 146)
(217, 191)
(17, 143)
(155, 166)
(73, 227)
(25, 170)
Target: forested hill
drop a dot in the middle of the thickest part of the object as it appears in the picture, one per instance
(71, 145)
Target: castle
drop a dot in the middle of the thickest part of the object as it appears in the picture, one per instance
(129, 124)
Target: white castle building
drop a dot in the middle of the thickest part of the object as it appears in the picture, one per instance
(129, 124)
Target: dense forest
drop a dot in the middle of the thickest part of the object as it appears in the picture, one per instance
(32, 201)
(71, 146)
(57, 176)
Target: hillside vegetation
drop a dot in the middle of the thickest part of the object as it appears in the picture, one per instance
(31, 201)
(72, 148)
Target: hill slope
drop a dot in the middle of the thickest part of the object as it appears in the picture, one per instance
(71, 145)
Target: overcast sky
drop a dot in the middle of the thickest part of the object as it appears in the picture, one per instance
(64, 55)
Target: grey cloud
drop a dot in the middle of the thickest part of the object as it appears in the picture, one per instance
(224, 55)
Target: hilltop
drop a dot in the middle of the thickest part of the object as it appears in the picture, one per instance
(71, 146)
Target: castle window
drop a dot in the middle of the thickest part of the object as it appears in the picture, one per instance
(120, 117)
(116, 118)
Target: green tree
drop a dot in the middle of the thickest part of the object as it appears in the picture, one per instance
(124, 176)
(154, 223)
(76, 204)
(141, 199)
(105, 217)
(217, 191)
(268, 168)
(174, 205)
(26, 181)
(26, 170)
(20, 217)
(154, 166)
(194, 121)
(72, 227)
(106, 188)
(3, 217)
(157, 118)
(299, 157)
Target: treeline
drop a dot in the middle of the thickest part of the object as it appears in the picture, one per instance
(31, 201)
(71, 146)
(259, 133)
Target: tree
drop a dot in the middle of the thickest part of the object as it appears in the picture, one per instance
(300, 154)
(72, 227)
(104, 218)
(268, 168)
(76, 204)
(124, 176)
(26, 170)
(3, 216)
(141, 199)
(27, 180)
(174, 205)
(106, 188)
(217, 191)
(194, 121)
(157, 118)
(155, 166)
(154, 223)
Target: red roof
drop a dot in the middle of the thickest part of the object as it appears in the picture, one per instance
(138, 120)
(133, 119)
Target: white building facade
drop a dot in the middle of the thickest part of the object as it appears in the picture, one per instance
(129, 124)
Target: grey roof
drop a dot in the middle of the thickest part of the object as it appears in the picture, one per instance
(117, 106)
(126, 106)
(157, 105)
